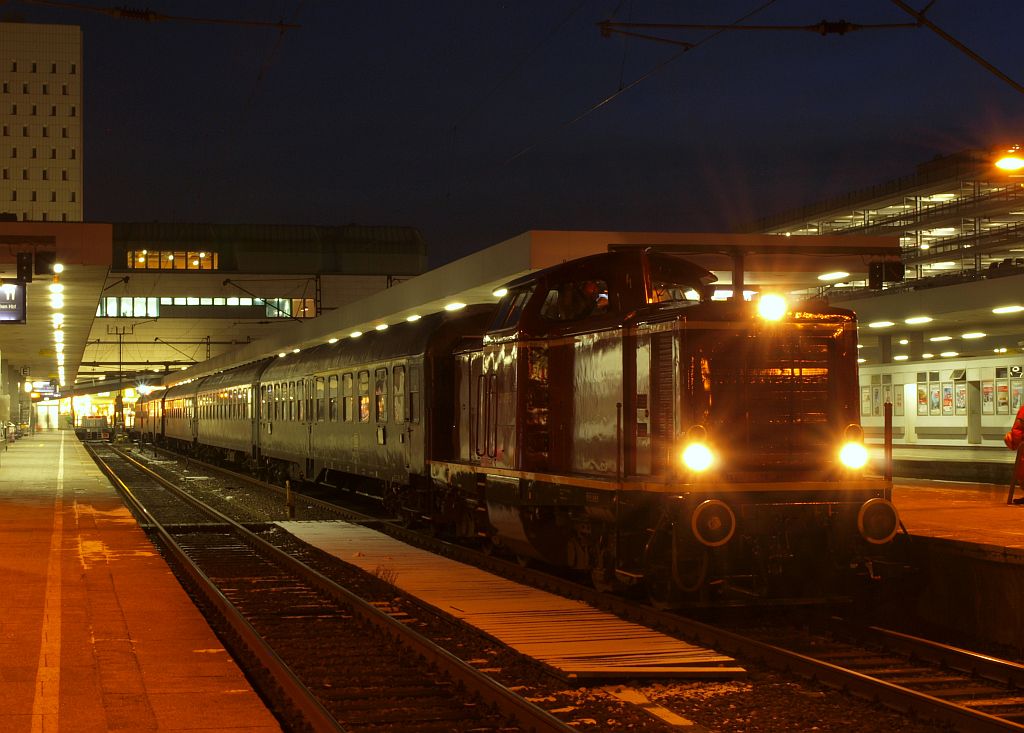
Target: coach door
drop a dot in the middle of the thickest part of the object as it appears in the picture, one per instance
(193, 418)
(304, 398)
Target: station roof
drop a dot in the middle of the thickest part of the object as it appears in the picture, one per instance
(780, 262)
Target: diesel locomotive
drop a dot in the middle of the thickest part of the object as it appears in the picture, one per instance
(607, 416)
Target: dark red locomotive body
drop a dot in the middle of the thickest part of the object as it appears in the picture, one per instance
(574, 420)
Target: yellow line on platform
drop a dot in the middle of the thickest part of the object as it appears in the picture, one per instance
(46, 703)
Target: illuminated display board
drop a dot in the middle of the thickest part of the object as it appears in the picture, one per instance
(12, 302)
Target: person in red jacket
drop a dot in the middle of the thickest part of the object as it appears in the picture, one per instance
(1014, 439)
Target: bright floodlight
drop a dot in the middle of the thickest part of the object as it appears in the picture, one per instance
(1011, 160)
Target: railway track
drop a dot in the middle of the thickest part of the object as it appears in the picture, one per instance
(312, 637)
(961, 689)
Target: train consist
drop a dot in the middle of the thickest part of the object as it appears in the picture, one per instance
(607, 416)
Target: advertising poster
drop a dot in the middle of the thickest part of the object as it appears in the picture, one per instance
(947, 398)
(988, 398)
(876, 400)
(1016, 394)
(897, 400)
(922, 399)
(865, 401)
(960, 394)
(1002, 397)
(935, 399)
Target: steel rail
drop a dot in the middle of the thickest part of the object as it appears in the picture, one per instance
(894, 696)
(962, 660)
(318, 718)
(528, 715)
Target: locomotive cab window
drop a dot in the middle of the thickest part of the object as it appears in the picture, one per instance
(576, 300)
(510, 309)
(668, 292)
(673, 280)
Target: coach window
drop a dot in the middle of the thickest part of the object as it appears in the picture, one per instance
(332, 398)
(380, 393)
(364, 396)
(291, 401)
(348, 399)
(398, 381)
(303, 412)
(414, 394)
(321, 398)
(263, 400)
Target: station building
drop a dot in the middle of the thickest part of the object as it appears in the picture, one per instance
(41, 147)
(946, 345)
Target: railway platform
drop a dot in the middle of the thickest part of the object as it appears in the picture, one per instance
(987, 464)
(966, 547)
(97, 634)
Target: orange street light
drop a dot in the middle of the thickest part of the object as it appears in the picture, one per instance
(1010, 160)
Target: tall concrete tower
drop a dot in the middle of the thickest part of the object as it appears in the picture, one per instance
(41, 121)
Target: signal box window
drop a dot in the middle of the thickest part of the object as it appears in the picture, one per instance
(575, 301)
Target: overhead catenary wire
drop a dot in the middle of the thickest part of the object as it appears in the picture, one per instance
(927, 23)
(656, 69)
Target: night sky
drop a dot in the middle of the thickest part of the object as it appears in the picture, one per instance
(458, 117)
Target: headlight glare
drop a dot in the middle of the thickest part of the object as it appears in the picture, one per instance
(698, 457)
(772, 307)
(853, 455)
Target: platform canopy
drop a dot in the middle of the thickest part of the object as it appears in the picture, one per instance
(783, 263)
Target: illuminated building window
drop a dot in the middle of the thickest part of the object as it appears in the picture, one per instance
(152, 259)
(127, 307)
(291, 308)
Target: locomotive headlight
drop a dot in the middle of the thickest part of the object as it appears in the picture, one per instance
(853, 455)
(698, 457)
(772, 307)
